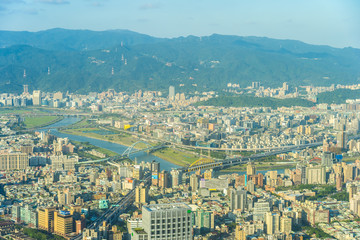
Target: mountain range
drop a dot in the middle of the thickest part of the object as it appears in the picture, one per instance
(83, 61)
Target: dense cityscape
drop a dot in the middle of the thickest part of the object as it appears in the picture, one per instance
(166, 165)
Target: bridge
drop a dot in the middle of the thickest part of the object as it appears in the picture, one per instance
(203, 163)
(126, 153)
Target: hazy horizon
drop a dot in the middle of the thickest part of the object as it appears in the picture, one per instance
(334, 23)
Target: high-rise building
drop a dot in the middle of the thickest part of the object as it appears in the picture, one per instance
(46, 219)
(14, 161)
(155, 166)
(341, 140)
(355, 204)
(164, 179)
(175, 178)
(316, 175)
(272, 222)
(141, 195)
(250, 169)
(203, 220)
(328, 159)
(167, 221)
(63, 223)
(194, 182)
(285, 225)
(36, 97)
(65, 197)
(171, 93)
(240, 233)
(137, 172)
(238, 199)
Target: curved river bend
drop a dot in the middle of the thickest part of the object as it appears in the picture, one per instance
(115, 147)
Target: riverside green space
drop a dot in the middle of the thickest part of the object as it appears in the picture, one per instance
(40, 121)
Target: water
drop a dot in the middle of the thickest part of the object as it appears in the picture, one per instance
(118, 148)
(115, 147)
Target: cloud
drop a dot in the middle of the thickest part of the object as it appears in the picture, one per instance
(148, 6)
(55, 2)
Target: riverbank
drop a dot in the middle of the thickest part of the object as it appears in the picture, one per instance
(33, 122)
(84, 150)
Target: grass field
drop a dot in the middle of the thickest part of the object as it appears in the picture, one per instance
(33, 122)
(175, 156)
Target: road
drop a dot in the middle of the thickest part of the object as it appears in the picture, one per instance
(113, 212)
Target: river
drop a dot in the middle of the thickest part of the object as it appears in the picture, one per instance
(115, 147)
(118, 148)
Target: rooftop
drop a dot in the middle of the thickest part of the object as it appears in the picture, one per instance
(161, 207)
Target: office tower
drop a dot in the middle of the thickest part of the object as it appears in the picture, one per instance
(203, 220)
(63, 223)
(208, 174)
(175, 178)
(341, 140)
(172, 93)
(272, 222)
(285, 225)
(141, 195)
(46, 219)
(155, 166)
(167, 221)
(328, 159)
(164, 179)
(238, 199)
(250, 169)
(14, 161)
(194, 182)
(316, 175)
(36, 97)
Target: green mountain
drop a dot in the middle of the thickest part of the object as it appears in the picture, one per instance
(82, 61)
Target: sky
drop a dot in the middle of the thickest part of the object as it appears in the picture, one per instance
(322, 22)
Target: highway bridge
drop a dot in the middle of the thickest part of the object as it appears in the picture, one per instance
(126, 153)
(203, 163)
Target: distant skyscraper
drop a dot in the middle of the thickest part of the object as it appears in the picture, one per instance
(24, 75)
(171, 92)
(155, 166)
(341, 140)
(37, 97)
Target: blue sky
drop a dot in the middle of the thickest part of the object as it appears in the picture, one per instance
(325, 22)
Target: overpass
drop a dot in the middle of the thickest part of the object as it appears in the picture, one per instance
(203, 164)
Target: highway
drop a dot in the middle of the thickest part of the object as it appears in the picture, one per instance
(113, 212)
